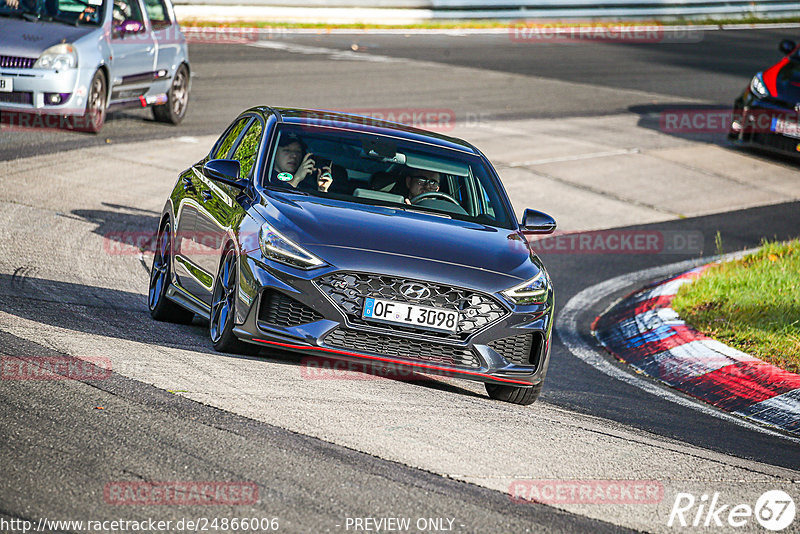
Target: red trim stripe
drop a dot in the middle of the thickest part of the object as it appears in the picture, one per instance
(770, 76)
(390, 360)
(741, 384)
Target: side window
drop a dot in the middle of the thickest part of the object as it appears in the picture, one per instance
(225, 142)
(248, 148)
(127, 10)
(157, 13)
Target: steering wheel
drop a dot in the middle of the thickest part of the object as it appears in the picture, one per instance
(435, 194)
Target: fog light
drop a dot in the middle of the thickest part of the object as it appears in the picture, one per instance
(54, 99)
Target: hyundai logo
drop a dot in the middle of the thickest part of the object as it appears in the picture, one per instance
(415, 291)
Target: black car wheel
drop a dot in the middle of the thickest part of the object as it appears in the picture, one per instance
(161, 308)
(223, 307)
(92, 121)
(513, 394)
(177, 99)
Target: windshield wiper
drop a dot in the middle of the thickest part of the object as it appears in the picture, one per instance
(31, 16)
(285, 189)
(56, 18)
(426, 212)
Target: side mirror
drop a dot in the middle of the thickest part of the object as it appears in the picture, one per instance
(786, 46)
(536, 222)
(225, 171)
(128, 26)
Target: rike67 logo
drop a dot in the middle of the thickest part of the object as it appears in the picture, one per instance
(774, 510)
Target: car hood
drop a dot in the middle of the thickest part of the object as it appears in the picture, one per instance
(22, 38)
(409, 243)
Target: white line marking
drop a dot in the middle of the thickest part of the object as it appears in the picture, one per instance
(332, 53)
(461, 32)
(567, 331)
(574, 157)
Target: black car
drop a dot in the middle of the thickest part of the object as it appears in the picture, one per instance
(345, 237)
(766, 114)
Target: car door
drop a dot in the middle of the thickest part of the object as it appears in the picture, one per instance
(221, 205)
(190, 244)
(166, 33)
(133, 53)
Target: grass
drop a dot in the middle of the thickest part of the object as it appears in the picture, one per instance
(475, 24)
(752, 304)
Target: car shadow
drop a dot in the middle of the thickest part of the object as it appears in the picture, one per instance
(51, 122)
(701, 123)
(124, 315)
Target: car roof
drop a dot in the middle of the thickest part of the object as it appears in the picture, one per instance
(363, 123)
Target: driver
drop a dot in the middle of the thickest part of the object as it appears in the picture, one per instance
(421, 181)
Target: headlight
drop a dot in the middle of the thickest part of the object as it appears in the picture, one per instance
(278, 247)
(533, 291)
(58, 57)
(757, 86)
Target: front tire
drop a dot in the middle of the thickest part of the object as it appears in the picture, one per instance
(514, 394)
(161, 308)
(223, 308)
(177, 99)
(92, 121)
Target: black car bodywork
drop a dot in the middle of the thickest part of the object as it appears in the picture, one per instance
(766, 114)
(274, 266)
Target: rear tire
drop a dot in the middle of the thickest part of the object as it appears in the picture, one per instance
(223, 309)
(161, 308)
(514, 394)
(177, 99)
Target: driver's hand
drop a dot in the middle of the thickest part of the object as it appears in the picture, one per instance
(408, 202)
(13, 4)
(303, 170)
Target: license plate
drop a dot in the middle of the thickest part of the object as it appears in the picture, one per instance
(403, 313)
(6, 84)
(785, 127)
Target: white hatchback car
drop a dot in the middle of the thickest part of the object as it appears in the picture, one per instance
(80, 58)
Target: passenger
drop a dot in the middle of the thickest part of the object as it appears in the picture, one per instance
(420, 181)
(293, 164)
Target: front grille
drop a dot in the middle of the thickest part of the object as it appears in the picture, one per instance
(522, 349)
(17, 97)
(348, 291)
(282, 310)
(14, 62)
(345, 338)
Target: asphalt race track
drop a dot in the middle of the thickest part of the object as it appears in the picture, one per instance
(582, 121)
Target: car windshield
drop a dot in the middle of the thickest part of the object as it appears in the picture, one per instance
(74, 12)
(366, 168)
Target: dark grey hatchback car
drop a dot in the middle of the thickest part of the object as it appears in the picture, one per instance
(350, 238)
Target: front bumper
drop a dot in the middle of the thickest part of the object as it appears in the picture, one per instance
(288, 309)
(753, 124)
(32, 88)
